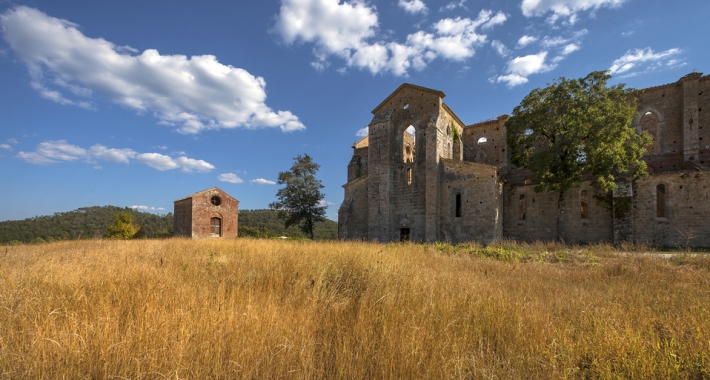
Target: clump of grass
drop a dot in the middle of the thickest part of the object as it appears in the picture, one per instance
(251, 308)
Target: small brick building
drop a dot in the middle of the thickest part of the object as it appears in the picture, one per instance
(210, 213)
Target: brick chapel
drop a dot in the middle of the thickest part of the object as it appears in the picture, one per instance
(210, 213)
(410, 179)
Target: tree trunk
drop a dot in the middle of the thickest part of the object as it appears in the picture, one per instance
(310, 227)
(560, 217)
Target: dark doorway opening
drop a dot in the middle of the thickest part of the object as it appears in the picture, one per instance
(404, 234)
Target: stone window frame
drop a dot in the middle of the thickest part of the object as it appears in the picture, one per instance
(216, 200)
(522, 208)
(219, 225)
(406, 124)
(458, 204)
(666, 201)
(584, 215)
(660, 125)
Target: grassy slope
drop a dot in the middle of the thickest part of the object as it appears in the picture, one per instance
(250, 308)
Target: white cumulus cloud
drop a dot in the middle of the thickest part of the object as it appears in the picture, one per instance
(261, 181)
(564, 9)
(571, 48)
(191, 94)
(644, 59)
(50, 152)
(349, 31)
(111, 154)
(157, 161)
(190, 165)
(413, 6)
(5, 147)
(229, 177)
(362, 132)
(519, 68)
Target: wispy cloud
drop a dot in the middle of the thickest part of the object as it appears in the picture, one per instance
(566, 10)
(453, 5)
(262, 181)
(229, 177)
(191, 94)
(643, 60)
(362, 132)
(349, 31)
(413, 6)
(500, 48)
(52, 152)
(113, 155)
(525, 41)
(5, 147)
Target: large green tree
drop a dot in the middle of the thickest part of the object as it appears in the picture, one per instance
(300, 200)
(574, 130)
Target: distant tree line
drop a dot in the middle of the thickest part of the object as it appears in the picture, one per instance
(93, 222)
(266, 224)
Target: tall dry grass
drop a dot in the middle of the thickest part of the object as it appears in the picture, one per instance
(280, 309)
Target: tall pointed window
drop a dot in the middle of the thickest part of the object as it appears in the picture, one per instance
(409, 176)
(408, 144)
(522, 206)
(584, 204)
(661, 201)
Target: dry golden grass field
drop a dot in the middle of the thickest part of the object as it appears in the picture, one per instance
(262, 309)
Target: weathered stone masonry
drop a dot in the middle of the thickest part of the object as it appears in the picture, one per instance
(432, 186)
(210, 213)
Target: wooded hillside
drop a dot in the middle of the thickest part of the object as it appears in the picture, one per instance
(92, 222)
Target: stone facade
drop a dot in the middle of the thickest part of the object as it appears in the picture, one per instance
(421, 174)
(210, 213)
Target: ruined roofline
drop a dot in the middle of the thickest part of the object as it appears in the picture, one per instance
(451, 162)
(700, 77)
(491, 121)
(451, 112)
(358, 179)
(436, 92)
(204, 191)
(362, 143)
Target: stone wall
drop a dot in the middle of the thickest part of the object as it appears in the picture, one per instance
(494, 150)
(479, 191)
(353, 213)
(687, 204)
(540, 215)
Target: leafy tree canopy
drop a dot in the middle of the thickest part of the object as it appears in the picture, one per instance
(300, 200)
(122, 227)
(577, 128)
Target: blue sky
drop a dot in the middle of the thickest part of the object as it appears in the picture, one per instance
(138, 103)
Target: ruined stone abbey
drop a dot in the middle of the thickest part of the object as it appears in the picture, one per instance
(423, 175)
